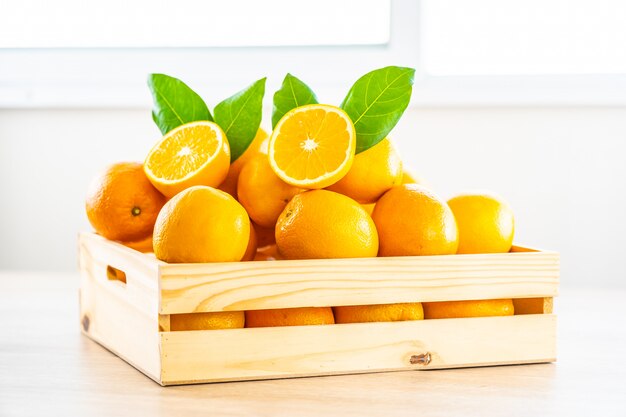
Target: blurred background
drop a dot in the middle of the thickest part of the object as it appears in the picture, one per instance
(527, 99)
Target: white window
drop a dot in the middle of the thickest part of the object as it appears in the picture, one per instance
(501, 52)
(86, 53)
(466, 52)
(531, 37)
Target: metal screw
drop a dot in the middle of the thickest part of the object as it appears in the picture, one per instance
(421, 359)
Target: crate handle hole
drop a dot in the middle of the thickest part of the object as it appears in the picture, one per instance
(114, 274)
(421, 359)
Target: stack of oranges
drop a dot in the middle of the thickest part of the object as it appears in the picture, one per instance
(299, 193)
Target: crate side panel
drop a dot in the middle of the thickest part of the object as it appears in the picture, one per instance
(142, 271)
(264, 353)
(234, 286)
(113, 316)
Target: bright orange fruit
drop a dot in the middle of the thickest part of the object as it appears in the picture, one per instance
(303, 316)
(257, 146)
(195, 153)
(373, 172)
(262, 193)
(323, 224)
(312, 146)
(469, 308)
(201, 224)
(122, 204)
(207, 321)
(412, 220)
(378, 312)
(252, 246)
(485, 222)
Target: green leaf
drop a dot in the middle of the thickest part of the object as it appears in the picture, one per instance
(175, 103)
(240, 115)
(293, 93)
(376, 102)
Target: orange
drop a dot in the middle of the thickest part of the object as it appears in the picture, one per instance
(207, 321)
(485, 223)
(195, 153)
(369, 208)
(379, 312)
(264, 236)
(262, 193)
(411, 220)
(409, 178)
(143, 245)
(201, 224)
(373, 172)
(252, 246)
(472, 308)
(122, 204)
(323, 224)
(303, 316)
(258, 145)
(312, 146)
(267, 253)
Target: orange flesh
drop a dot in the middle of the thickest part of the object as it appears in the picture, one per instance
(311, 144)
(184, 152)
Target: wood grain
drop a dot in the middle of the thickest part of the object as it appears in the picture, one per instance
(131, 316)
(120, 316)
(235, 286)
(317, 283)
(279, 352)
(96, 254)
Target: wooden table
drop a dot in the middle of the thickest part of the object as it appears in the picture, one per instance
(48, 368)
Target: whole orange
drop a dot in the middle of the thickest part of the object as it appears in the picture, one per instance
(303, 316)
(201, 224)
(378, 312)
(369, 208)
(485, 222)
(257, 146)
(373, 172)
(263, 194)
(264, 235)
(412, 220)
(122, 204)
(252, 245)
(323, 224)
(468, 308)
(207, 321)
(144, 245)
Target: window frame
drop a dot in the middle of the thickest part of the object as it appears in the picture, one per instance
(115, 78)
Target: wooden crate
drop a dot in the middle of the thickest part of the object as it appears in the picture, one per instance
(132, 318)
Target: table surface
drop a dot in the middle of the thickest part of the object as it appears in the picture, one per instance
(48, 368)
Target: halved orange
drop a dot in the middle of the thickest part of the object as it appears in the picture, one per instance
(312, 146)
(195, 153)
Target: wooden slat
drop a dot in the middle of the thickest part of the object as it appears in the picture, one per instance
(164, 322)
(141, 270)
(187, 288)
(279, 352)
(112, 314)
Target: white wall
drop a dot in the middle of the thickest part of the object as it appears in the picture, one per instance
(562, 170)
